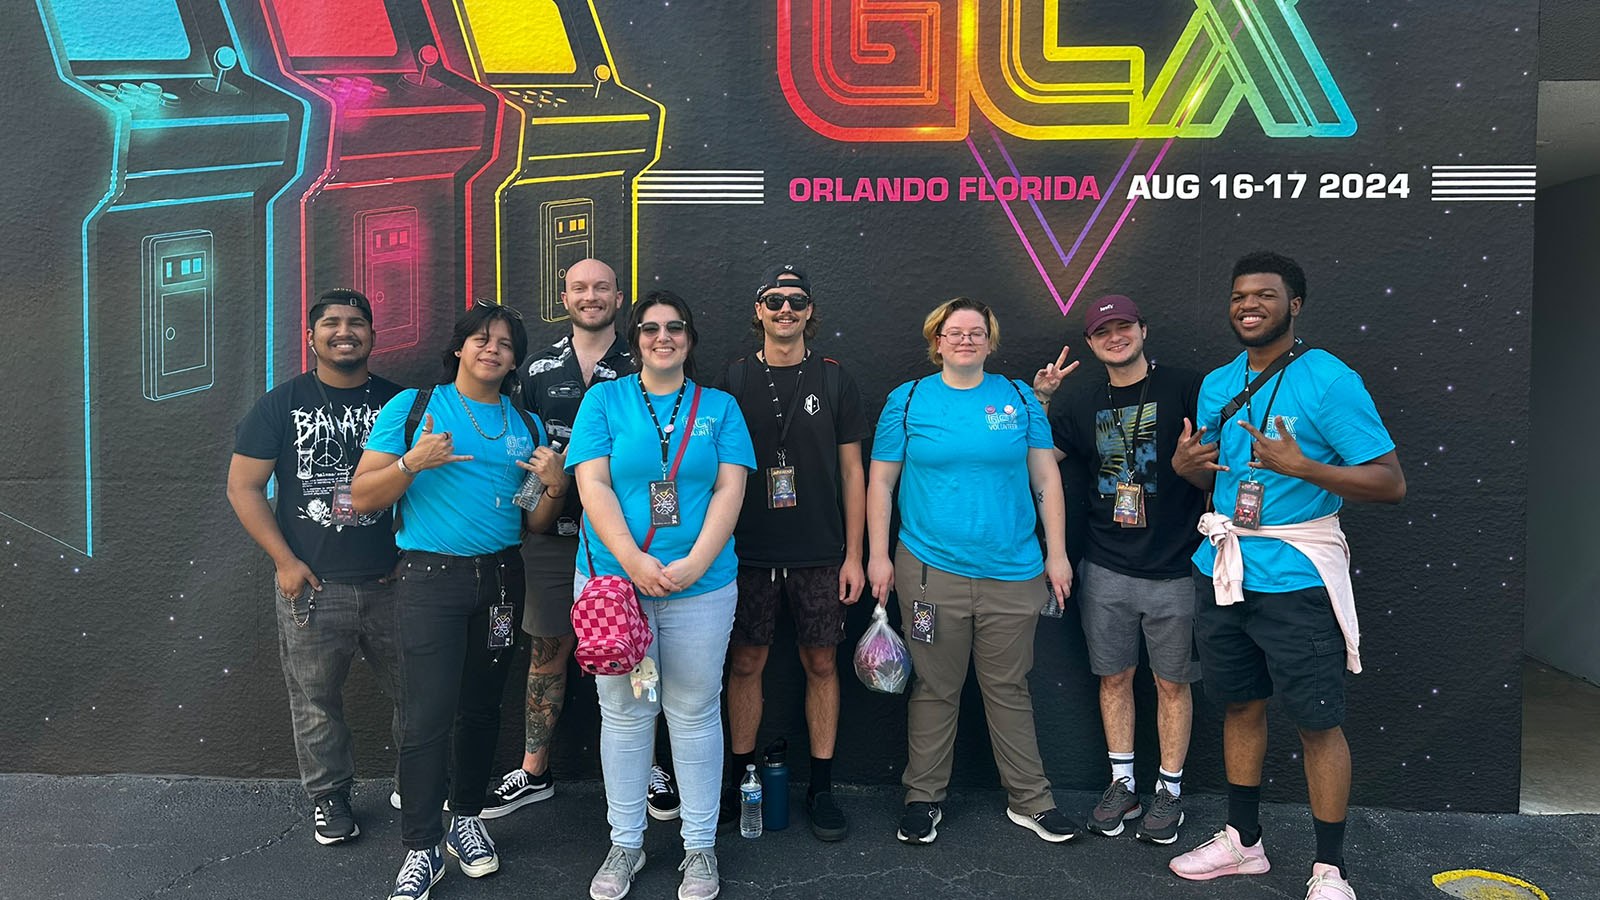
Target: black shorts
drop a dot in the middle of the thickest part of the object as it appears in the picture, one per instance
(1288, 644)
(813, 598)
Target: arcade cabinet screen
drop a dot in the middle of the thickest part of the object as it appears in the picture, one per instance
(336, 28)
(521, 37)
(129, 30)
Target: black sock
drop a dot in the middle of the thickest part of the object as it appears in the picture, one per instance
(821, 776)
(736, 764)
(1244, 812)
(1330, 844)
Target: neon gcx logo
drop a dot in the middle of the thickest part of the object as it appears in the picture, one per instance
(905, 70)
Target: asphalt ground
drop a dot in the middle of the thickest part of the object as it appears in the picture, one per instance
(126, 836)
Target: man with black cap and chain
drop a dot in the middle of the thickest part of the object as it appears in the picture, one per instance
(334, 598)
(799, 537)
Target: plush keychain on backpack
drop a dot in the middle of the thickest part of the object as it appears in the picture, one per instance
(644, 677)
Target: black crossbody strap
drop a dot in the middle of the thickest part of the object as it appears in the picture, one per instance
(1299, 349)
(419, 408)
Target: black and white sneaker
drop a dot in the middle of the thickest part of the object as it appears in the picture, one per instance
(516, 790)
(1051, 825)
(335, 823)
(661, 798)
(920, 823)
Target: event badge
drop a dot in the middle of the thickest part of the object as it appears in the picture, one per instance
(1247, 506)
(922, 620)
(1128, 511)
(663, 504)
(780, 488)
(501, 628)
(344, 504)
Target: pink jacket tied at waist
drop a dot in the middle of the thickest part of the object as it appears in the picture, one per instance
(1321, 540)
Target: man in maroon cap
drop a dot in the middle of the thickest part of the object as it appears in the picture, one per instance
(1117, 435)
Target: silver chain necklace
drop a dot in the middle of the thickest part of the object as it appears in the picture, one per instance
(505, 420)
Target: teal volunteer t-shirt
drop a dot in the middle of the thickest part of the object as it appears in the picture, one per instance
(965, 500)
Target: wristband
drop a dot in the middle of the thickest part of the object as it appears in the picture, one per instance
(401, 462)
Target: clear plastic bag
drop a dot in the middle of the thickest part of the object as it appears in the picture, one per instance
(882, 662)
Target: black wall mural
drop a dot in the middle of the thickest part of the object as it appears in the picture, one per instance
(187, 177)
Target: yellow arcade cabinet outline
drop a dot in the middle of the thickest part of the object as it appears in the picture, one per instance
(518, 27)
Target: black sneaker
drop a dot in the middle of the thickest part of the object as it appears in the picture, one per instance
(1051, 825)
(517, 789)
(1160, 824)
(827, 819)
(1117, 805)
(661, 797)
(920, 823)
(335, 823)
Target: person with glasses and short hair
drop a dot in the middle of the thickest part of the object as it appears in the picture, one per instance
(453, 461)
(968, 450)
(800, 531)
(661, 464)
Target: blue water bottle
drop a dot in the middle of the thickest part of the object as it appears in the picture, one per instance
(775, 786)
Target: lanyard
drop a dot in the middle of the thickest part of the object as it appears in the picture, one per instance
(1266, 415)
(1130, 442)
(663, 432)
(344, 452)
(785, 419)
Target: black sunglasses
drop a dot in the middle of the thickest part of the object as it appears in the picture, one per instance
(797, 302)
(486, 304)
(651, 329)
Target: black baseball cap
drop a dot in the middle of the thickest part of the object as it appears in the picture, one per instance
(339, 297)
(784, 276)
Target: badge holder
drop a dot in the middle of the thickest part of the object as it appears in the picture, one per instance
(781, 492)
(1128, 509)
(923, 613)
(344, 504)
(1247, 505)
(502, 628)
(663, 504)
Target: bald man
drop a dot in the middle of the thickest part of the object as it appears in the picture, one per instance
(554, 381)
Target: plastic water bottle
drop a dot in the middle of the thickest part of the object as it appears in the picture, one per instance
(750, 803)
(775, 786)
(528, 495)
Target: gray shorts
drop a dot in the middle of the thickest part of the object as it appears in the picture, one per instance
(549, 561)
(1117, 607)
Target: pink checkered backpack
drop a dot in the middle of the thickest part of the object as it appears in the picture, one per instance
(612, 633)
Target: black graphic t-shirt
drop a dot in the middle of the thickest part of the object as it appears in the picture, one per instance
(810, 533)
(553, 389)
(317, 445)
(1106, 441)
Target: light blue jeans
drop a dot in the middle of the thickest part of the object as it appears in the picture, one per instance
(690, 646)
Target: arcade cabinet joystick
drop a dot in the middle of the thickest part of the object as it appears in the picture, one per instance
(428, 56)
(225, 59)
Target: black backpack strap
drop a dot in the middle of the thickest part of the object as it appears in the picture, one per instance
(419, 408)
(1296, 350)
(833, 383)
(905, 411)
(527, 419)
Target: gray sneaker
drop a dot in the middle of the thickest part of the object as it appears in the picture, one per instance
(1116, 806)
(1160, 824)
(615, 876)
(700, 880)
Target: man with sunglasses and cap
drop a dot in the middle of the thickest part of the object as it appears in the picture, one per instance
(799, 536)
(332, 565)
(1117, 435)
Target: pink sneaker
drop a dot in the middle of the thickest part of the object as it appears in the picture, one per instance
(1223, 855)
(1326, 883)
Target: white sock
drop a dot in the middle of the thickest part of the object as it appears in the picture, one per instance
(1122, 767)
(1172, 781)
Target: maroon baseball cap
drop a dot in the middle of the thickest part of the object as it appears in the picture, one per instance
(1110, 308)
